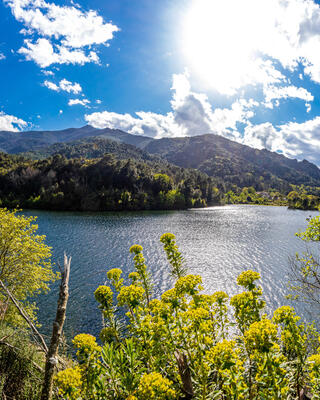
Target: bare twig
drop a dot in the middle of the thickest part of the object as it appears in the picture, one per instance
(52, 355)
(25, 316)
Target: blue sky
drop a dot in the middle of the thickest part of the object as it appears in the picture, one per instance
(248, 70)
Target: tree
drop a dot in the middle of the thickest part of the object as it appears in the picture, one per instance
(25, 265)
(305, 267)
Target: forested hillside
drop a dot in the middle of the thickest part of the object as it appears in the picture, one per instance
(235, 163)
(104, 183)
(225, 160)
(94, 147)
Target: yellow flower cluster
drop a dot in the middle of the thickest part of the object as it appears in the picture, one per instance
(285, 314)
(261, 336)
(131, 296)
(134, 276)
(69, 382)
(189, 284)
(167, 238)
(136, 249)
(220, 297)
(86, 343)
(247, 278)
(223, 354)
(314, 360)
(114, 274)
(154, 387)
(104, 296)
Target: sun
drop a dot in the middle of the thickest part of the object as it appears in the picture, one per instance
(221, 41)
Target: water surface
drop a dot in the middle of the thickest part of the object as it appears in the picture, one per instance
(217, 242)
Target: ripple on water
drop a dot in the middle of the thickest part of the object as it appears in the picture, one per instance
(217, 242)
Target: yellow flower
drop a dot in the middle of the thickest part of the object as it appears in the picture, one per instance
(247, 278)
(219, 297)
(69, 382)
(154, 387)
(223, 354)
(104, 296)
(86, 343)
(167, 238)
(136, 249)
(114, 274)
(285, 314)
(261, 335)
(134, 276)
(189, 284)
(131, 295)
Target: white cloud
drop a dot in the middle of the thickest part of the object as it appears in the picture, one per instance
(230, 44)
(70, 87)
(2, 56)
(60, 112)
(82, 102)
(44, 54)
(66, 33)
(276, 93)
(295, 140)
(11, 123)
(51, 86)
(191, 114)
(98, 101)
(64, 85)
(47, 73)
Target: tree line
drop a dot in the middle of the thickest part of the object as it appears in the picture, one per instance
(102, 184)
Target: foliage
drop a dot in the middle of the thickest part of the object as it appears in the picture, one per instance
(251, 196)
(236, 164)
(302, 200)
(25, 266)
(20, 366)
(305, 267)
(103, 184)
(190, 345)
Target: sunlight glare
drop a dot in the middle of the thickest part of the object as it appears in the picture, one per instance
(221, 41)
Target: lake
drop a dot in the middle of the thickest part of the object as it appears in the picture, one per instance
(217, 242)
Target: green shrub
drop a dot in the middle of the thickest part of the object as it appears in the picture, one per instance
(20, 366)
(190, 345)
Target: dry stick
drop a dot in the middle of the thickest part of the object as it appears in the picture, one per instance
(185, 375)
(26, 317)
(52, 355)
(2, 343)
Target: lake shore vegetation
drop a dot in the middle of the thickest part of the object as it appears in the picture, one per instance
(190, 345)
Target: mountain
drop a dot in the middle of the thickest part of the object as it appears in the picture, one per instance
(92, 147)
(235, 164)
(19, 142)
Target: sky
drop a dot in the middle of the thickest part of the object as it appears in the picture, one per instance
(248, 70)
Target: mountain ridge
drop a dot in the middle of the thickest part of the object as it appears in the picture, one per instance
(219, 157)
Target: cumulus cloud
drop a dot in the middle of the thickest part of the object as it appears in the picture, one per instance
(2, 56)
(191, 114)
(232, 43)
(82, 102)
(51, 86)
(11, 123)
(276, 93)
(70, 87)
(64, 85)
(295, 140)
(67, 35)
(44, 54)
